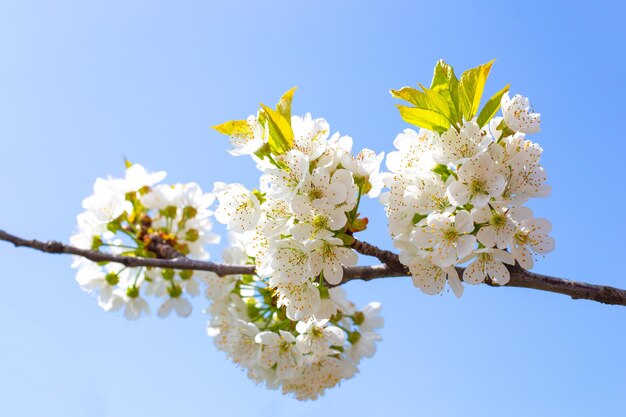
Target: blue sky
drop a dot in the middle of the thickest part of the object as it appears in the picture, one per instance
(83, 84)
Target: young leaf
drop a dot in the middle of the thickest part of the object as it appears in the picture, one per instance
(427, 119)
(471, 89)
(235, 128)
(438, 103)
(284, 104)
(427, 101)
(446, 84)
(491, 107)
(281, 135)
(411, 95)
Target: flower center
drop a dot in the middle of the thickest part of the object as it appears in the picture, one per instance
(498, 220)
(284, 346)
(450, 235)
(320, 222)
(477, 187)
(316, 193)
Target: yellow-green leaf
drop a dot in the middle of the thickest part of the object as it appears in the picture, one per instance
(438, 103)
(491, 107)
(281, 134)
(471, 89)
(425, 100)
(427, 119)
(446, 84)
(284, 104)
(411, 95)
(239, 128)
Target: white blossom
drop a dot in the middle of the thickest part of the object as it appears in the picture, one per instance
(489, 262)
(246, 143)
(280, 350)
(238, 207)
(447, 236)
(518, 116)
(477, 182)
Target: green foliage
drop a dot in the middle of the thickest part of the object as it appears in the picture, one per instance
(284, 104)
(281, 135)
(278, 122)
(491, 107)
(238, 128)
(471, 88)
(449, 101)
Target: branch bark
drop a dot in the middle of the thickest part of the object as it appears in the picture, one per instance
(391, 267)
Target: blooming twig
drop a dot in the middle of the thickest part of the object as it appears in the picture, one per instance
(390, 268)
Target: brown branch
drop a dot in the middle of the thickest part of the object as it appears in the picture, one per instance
(519, 278)
(130, 261)
(391, 267)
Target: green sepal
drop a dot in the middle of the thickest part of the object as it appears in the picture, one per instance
(132, 292)
(358, 318)
(96, 243)
(324, 294)
(506, 131)
(112, 279)
(354, 337)
(169, 211)
(175, 291)
(185, 274)
(192, 235)
(418, 218)
(443, 171)
(167, 274)
(259, 195)
(346, 239)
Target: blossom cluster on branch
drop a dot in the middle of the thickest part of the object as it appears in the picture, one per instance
(457, 186)
(297, 228)
(304, 357)
(136, 216)
(454, 196)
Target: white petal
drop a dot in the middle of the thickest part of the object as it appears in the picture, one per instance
(457, 193)
(454, 282)
(463, 222)
(474, 273)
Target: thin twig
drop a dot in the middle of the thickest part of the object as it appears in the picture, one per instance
(391, 267)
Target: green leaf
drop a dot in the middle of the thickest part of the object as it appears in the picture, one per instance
(491, 107)
(438, 103)
(446, 84)
(411, 95)
(427, 119)
(443, 171)
(471, 89)
(428, 104)
(281, 135)
(239, 128)
(284, 104)
(418, 218)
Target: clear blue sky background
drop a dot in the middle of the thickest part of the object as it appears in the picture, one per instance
(83, 84)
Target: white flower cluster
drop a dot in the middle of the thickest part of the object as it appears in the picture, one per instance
(300, 222)
(285, 325)
(135, 216)
(305, 357)
(458, 196)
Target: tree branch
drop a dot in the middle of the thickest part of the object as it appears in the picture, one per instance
(519, 278)
(130, 261)
(391, 267)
